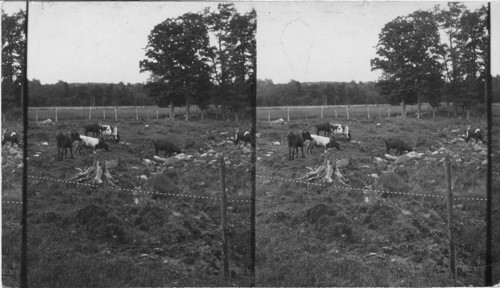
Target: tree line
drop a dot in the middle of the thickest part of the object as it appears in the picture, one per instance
(317, 93)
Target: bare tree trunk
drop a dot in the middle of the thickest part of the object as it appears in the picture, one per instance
(187, 105)
(403, 108)
(419, 103)
(172, 112)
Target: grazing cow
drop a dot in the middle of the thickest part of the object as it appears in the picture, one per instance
(296, 140)
(94, 128)
(243, 136)
(320, 141)
(89, 142)
(342, 130)
(11, 137)
(165, 145)
(327, 127)
(64, 141)
(397, 144)
(477, 134)
(107, 130)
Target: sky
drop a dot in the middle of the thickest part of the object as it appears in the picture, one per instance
(103, 42)
(327, 41)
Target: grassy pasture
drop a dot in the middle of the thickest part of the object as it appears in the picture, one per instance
(87, 236)
(321, 236)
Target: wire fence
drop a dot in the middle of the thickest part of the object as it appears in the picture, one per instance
(137, 190)
(368, 190)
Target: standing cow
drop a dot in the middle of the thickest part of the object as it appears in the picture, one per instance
(108, 130)
(476, 134)
(63, 142)
(11, 137)
(343, 130)
(243, 136)
(296, 140)
(326, 127)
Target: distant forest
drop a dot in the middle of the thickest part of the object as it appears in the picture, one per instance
(329, 93)
(88, 94)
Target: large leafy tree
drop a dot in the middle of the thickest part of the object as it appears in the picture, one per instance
(13, 51)
(466, 48)
(409, 52)
(178, 53)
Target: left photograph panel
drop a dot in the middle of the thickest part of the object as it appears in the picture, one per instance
(140, 145)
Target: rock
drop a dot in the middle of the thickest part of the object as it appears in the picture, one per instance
(365, 166)
(276, 143)
(378, 124)
(341, 163)
(223, 133)
(110, 164)
(374, 175)
(435, 152)
(147, 161)
(258, 135)
(269, 154)
(18, 157)
(484, 162)
(414, 154)
(199, 161)
(378, 159)
(258, 158)
(455, 130)
(211, 151)
(144, 177)
(477, 147)
(405, 212)
(105, 252)
(402, 159)
(389, 156)
(247, 150)
(483, 153)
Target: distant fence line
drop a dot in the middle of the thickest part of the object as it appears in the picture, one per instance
(369, 111)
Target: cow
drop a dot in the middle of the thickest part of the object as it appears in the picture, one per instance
(296, 140)
(165, 145)
(342, 130)
(243, 136)
(320, 141)
(94, 128)
(107, 130)
(397, 144)
(64, 141)
(326, 127)
(476, 134)
(89, 142)
(11, 137)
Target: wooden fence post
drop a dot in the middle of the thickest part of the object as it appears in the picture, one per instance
(368, 112)
(269, 116)
(90, 113)
(104, 114)
(136, 116)
(224, 218)
(288, 114)
(148, 114)
(157, 114)
(347, 109)
(335, 113)
(450, 217)
(74, 116)
(56, 114)
(388, 112)
(36, 117)
(322, 111)
(116, 115)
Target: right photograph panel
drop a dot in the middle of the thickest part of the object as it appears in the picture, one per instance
(372, 143)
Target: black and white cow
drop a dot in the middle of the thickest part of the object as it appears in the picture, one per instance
(296, 140)
(108, 130)
(397, 144)
(11, 137)
(243, 136)
(476, 134)
(94, 128)
(88, 142)
(64, 141)
(343, 130)
(326, 127)
(320, 141)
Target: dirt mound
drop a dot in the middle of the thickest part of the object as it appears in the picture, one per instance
(100, 224)
(315, 213)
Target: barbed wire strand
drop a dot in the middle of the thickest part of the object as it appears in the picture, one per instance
(364, 189)
(135, 190)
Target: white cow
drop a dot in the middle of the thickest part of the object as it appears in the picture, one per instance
(107, 130)
(321, 141)
(341, 130)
